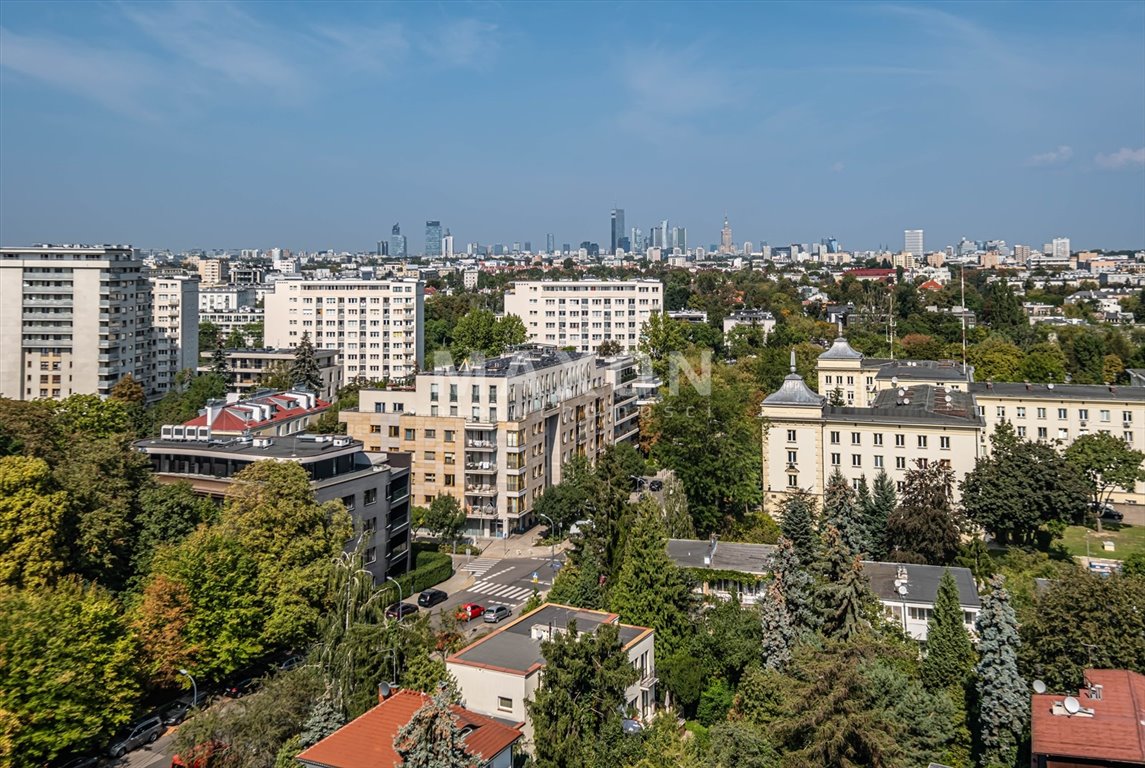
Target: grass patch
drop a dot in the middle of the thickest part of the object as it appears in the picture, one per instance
(1127, 539)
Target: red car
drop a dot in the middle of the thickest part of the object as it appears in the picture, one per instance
(470, 611)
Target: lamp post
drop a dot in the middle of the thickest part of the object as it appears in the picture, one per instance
(553, 543)
(399, 586)
(194, 688)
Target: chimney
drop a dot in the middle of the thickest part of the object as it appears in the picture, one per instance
(214, 408)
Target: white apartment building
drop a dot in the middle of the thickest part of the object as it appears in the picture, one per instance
(583, 313)
(496, 433)
(175, 319)
(759, 318)
(498, 674)
(226, 298)
(913, 242)
(377, 325)
(73, 319)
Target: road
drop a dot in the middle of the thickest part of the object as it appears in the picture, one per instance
(157, 755)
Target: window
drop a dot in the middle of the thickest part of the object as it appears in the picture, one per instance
(431, 434)
(375, 429)
(370, 525)
(476, 393)
(1104, 415)
(505, 704)
(453, 393)
(829, 379)
(922, 441)
(348, 502)
(431, 477)
(791, 435)
(1128, 437)
(394, 431)
(878, 462)
(1062, 414)
(900, 441)
(433, 393)
(856, 438)
(793, 481)
(836, 459)
(371, 496)
(450, 480)
(900, 486)
(371, 555)
(449, 435)
(834, 438)
(433, 410)
(792, 457)
(409, 434)
(1022, 432)
(879, 439)
(1041, 413)
(1041, 433)
(429, 455)
(1000, 411)
(1083, 413)
(449, 458)
(1127, 417)
(900, 462)
(944, 443)
(1063, 433)
(492, 393)
(856, 460)
(1021, 412)
(918, 614)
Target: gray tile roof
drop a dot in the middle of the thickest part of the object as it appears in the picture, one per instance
(794, 391)
(1058, 391)
(841, 350)
(927, 405)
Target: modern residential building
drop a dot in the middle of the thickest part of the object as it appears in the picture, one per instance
(368, 741)
(495, 433)
(1103, 726)
(805, 438)
(913, 242)
(231, 320)
(73, 319)
(266, 414)
(500, 672)
(618, 233)
(175, 320)
(752, 563)
(226, 298)
(583, 313)
(376, 325)
(622, 374)
(469, 279)
(433, 239)
(1060, 248)
(759, 318)
(374, 491)
(249, 368)
(212, 271)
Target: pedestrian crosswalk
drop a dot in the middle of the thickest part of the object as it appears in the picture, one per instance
(502, 593)
(479, 566)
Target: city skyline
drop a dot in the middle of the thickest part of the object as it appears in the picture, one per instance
(229, 125)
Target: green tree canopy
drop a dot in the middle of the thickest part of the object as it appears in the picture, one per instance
(444, 518)
(1107, 462)
(925, 526)
(304, 369)
(32, 512)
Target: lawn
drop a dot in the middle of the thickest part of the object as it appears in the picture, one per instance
(1126, 538)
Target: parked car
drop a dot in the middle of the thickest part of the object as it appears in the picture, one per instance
(86, 761)
(431, 597)
(469, 611)
(176, 712)
(146, 731)
(495, 613)
(400, 611)
(243, 685)
(291, 662)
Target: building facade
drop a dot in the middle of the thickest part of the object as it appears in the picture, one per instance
(376, 325)
(433, 239)
(493, 434)
(249, 368)
(374, 491)
(175, 319)
(583, 313)
(913, 242)
(73, 320)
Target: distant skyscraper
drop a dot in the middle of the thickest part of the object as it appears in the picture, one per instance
(550, 243)
(1061, 248)
(433, 238)
(726, 244)
(617, 228)
(912, 242)
(636, 238)
(397, 243)
(832, 244)
(680, 238)
(528, 246)
(447, 245)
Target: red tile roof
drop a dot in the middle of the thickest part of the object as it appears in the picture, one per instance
(931, 285)
(869, 272)
(368, 742)
(248, 414)
(1116, 731)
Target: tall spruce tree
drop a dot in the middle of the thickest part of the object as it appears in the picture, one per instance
(433, 739)
(863, 500)
(844, 597)
(949, 654)
(876, 511)
(796, 586)
(219, 365)
(1003, 700)
(841, 510)
(304, 368)
(778, 632)
(798, 525)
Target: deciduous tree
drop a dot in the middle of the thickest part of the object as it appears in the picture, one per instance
(32, 510)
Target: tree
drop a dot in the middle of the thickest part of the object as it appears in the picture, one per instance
(949, 655)
(219, 365)
(128, 390)
(876, 511)
(660, 336)
(650, 590)
(1022, 487)
(1044, 363)
(575, 708)
(778, 632)
(845, 599)
(715, 702)
(277, 377)
(1002, 310)
(798, 526)
(32, 542)
(325, 718)
(609, 348)
(67, 670)
(166, 514)
(444, 518)
(433, 739)
(567, 501)
(1108, 463)
(508, 331)
(304, 368)
(796, 587)
(924, 528)
(841, 509)
(208, 335)
(91, 417)
(1003, 700)
(996, 359)
(727, 640)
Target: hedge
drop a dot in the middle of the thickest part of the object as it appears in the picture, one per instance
(430, 568)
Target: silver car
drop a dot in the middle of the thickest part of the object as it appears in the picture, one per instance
(495, 613)
(146, 731)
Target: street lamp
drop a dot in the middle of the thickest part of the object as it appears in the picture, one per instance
(399, 586)
(194, 688)
(553, 542)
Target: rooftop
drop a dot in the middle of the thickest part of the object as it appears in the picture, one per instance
(1059, 391)
(516, 647)
(840, 349)
(918, 402)
(294, 447)
(934, 370)
(794, 391)
(367, 742)
(524, 359)
(1109, 726)
(257, 412)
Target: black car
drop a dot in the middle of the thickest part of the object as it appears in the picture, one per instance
(176, 712)
(431, 597)
(400, 611)
(87, 761)
(242, 686)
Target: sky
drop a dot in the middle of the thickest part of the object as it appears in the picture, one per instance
(320, 125)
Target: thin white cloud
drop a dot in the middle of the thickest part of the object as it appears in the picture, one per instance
(462, 43)
(1122, 158)
(837, 167)
(1053, 157)
(374, 50)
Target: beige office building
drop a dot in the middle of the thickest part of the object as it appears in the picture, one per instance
(175, 319)
(73, 319)
(376, 325)
(494, 434)
(583, 313)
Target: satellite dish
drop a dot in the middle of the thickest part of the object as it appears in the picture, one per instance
(384, 690)
(901, 589)
(902, 392)
(631, 726)
(948, 399)
(1072, 705)
(1039, 686)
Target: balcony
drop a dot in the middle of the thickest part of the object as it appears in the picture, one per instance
(480, 468)
(480, 490)
(481, 510)
(480, 445)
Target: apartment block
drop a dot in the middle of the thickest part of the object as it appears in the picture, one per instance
(250, 367)
(175, 319)
(583, 313)
(495, 433)
(374, 491)
(73, 319)
(376, 325)
(226, 298)
(213, 271)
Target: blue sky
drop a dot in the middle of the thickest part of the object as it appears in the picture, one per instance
(318, 125)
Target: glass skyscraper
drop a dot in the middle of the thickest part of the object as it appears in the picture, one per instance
(433, 239)
(617, 228)
(397, 243)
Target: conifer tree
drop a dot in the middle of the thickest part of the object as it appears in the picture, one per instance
(1003, 700)
(798, 525)
(795, 585)
(841, 509)
(432, 738)
(843, 595)
(924, 528)
(778, 633)
(219, 365)
(304, 368)
(325, 718)
(949, 654)
(875, 513)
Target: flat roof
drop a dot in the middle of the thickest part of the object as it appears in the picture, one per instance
(927, 404)
(1058, 391)
(937, 370)
(293, 447)
(513, 649)
(520, 361)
